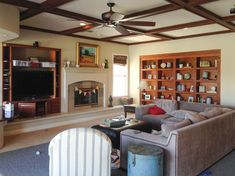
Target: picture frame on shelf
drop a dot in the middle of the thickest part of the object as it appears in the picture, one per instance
(190, 99)
(87, 55)
(205, 63)
(202, 89)
(147, 97)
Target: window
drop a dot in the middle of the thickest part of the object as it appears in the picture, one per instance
(120, 75)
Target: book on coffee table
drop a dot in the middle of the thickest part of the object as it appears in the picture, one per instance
(114, 122)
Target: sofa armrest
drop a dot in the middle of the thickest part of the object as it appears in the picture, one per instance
(129, 136)
(142, 110)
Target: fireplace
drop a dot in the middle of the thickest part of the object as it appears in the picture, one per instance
(83, 79)
(85, 94)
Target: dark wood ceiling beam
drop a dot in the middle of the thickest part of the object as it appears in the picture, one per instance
(229, 18)
(70, 35)
(56, 11)
(22, 3)
(184, 37)
(153, 11)
(44, 7)
(203, 13)
(199, 2)
(205, 34)
(181, 26)
(79, 29)
(77, 16)
(118, 36)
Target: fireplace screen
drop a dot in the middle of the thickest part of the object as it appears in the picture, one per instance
(85, 96)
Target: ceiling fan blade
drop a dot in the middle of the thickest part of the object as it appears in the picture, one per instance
(116, 16)
(138, 23)
(122, 30)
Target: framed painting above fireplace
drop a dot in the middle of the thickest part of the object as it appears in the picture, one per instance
(87, 55)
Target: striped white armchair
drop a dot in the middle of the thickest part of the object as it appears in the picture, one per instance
(80, 152)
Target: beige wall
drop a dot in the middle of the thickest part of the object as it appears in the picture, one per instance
(68, 46)
(225, 42)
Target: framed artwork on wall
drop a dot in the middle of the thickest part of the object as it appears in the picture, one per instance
(87, 55)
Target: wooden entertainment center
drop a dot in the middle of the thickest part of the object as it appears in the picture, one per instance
(31, 79)
(188, 76)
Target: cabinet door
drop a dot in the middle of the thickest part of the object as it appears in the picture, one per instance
(53, 106)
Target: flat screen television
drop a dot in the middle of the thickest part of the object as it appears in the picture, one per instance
(29, 85)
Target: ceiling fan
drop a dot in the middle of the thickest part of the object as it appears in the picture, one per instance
(116, 20)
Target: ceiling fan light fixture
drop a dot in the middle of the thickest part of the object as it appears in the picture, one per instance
(82, 24)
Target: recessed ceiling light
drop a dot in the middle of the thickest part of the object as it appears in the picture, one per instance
(185, 28)
(82, 24)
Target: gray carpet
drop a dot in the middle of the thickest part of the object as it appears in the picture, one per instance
(25, 162)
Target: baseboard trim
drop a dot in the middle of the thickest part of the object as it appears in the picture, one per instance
(60, 119)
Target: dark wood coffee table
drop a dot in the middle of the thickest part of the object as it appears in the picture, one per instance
(114, 133)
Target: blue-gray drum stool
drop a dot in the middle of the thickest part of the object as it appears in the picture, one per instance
(145, 160)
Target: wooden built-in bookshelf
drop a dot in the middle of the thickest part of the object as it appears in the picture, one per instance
(188, 76)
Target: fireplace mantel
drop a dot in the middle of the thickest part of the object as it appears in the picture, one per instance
(73, 75)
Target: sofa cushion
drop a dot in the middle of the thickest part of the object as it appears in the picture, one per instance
(171, 120)
(167, 105)
(167, 128)
(181, 113)
(156, 110)
(195, 117)
(212, 112)
(155, 120)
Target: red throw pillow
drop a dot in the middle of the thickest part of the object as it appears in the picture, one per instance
(156, 110)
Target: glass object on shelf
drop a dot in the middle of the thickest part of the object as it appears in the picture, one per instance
(153, 65)
(208, 100)
(168, 64)
(180, 87)
(205, 75)
(179, 76)
(154, 76)
(150, 76)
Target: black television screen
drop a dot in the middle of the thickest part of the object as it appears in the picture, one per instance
(28, 85)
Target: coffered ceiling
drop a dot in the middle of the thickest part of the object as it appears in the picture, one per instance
(175, 19)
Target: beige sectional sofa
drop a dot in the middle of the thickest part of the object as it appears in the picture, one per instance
(189, 150)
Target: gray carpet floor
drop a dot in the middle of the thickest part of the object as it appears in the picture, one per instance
(25, 162)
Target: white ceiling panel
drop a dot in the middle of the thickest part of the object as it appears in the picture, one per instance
(95, 8)
(171, 18)
(37, 1)
(99, 32)
(135, 39)
(51, 22)
(196, 30)
(221, 7)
